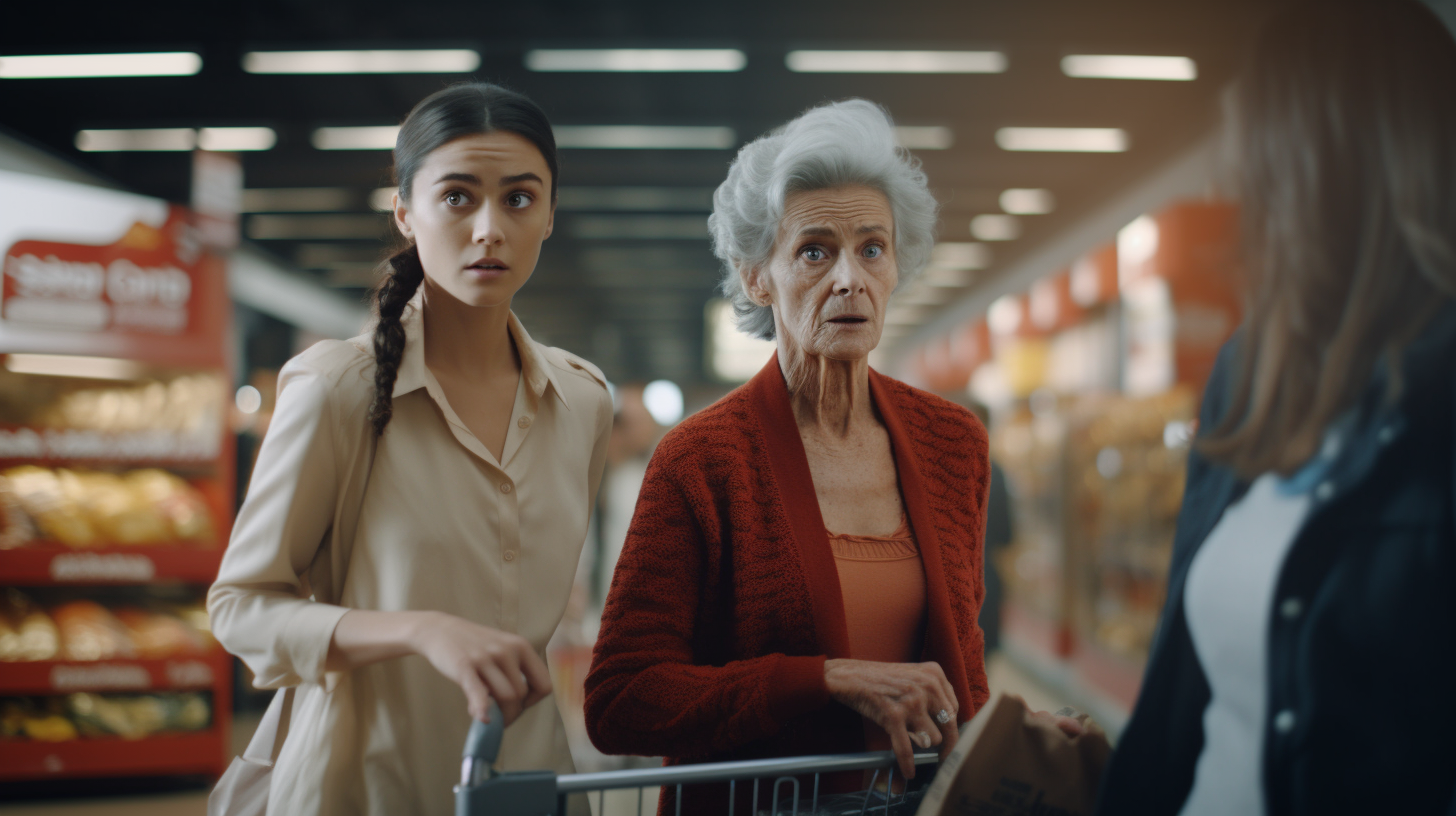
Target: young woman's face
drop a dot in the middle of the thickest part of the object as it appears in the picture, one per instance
(478, 210)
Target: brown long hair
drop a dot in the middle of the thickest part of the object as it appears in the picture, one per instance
(460, 110)
(1344, 123)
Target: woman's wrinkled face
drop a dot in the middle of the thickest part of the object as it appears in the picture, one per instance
(831, 274)
(478, 210)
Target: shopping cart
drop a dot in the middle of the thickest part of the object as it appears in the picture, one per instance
(484, 792)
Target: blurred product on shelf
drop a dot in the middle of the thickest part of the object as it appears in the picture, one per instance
(95, 508)
(185, 404)
(84, 630)
(84, 714)
(16, 528)
(26, 631)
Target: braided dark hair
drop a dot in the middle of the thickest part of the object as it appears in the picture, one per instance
(444, 116)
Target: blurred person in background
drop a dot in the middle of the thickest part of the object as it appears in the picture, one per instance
(803, 571)
(1310, 626)
(999, 535)
(475, 454)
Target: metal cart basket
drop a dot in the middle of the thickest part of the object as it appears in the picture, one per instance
(484, 792)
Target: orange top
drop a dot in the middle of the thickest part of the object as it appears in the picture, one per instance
(883, 584)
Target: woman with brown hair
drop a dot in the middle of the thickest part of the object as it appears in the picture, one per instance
(411, 532)
(1310, 614)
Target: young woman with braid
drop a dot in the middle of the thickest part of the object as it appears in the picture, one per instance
(412, 528)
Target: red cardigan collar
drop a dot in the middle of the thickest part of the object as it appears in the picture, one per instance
(769, 394)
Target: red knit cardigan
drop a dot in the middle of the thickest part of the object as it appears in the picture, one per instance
(726, 601)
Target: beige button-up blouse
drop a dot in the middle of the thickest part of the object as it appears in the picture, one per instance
(435, 523)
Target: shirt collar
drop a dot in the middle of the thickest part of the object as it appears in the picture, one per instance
(413, 374)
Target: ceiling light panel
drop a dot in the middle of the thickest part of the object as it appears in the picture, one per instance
(299, 199)
(143, 139)
(1026, 201)
(639, 60)
(996, 227)
(73, 66)
(373, 137)
(382, 199)
(316, 227)
(1115, 66)
(644, 137)
(896, 62)
(959, 255)
(230, 139)
(447, 61)
(924, 138)
(1062, 140)
(64, 365)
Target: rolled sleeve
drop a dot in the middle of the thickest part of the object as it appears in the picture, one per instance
(259, 605)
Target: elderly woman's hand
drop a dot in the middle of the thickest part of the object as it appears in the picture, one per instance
(913, 702)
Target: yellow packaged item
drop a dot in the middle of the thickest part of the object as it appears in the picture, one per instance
(16, 529)
(178, 502)
(53, 508)
(26, 631)
(118, 513)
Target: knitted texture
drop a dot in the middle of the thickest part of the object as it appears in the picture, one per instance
(725, 603)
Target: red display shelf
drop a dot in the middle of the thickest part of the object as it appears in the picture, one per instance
(53, 447)
(52, 564)
(180, 673)
(159, 755)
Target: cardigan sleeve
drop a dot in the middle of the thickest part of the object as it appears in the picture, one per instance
(646, 693)
(258, 607)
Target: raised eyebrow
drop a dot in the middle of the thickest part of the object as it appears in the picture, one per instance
(520, 177)
(869, 228)
(816, 232)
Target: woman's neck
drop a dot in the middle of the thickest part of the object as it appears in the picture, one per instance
(830, 398)
(473, 342)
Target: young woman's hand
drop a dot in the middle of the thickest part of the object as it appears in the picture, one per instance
(486, 663)
(905, 699)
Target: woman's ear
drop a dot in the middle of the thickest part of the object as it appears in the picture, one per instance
(401, 216)
(755, 281)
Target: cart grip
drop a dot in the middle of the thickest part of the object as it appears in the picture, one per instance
(482, 745)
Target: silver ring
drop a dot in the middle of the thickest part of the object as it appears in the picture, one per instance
(942, 716)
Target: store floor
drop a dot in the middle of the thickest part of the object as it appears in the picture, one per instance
(1004, 676)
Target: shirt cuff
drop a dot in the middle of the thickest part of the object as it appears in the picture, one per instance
(796, 685)
(310, 631)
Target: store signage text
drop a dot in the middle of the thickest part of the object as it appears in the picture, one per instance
(94, 296)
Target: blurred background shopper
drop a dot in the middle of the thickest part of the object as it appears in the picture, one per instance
(803, 571)
(1310, 612)
(436, 589)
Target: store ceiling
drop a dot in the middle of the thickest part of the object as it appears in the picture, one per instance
(626, 277)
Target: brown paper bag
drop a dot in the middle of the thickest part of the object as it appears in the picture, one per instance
(1006, 763)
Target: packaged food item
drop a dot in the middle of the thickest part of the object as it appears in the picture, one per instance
(42, 719)
(52, 506)
(118, 513)
(26, 631)
(16, 529)
(158, 635)
(89, 632)
(177, 502)
(134, 716)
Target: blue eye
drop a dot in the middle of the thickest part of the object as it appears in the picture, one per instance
(874, 251)
(814, 254)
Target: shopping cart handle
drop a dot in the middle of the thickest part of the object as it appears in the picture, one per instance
(482, 746)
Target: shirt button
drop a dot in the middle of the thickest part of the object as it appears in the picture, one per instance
(524, 422)
(1291, 608)
(1325, 491)
(1386, 435)
(505, 487)
(510, 555)
(1284, 721)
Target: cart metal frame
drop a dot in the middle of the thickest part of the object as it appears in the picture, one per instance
(484, 792)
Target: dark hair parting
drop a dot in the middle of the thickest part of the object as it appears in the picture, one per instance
(461, 110)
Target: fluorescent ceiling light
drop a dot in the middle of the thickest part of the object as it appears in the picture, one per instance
(146, 139)
(1066, 140)
(636, 59)
(299, 199)
(236, 138)
(635, 199)
(1113, 66)
(640, 227)
(1023, 201)
(301, 227)
(1005, 315)
(69, 66)
(924, 138)
(64, 365)
(959, 255)
(896, 62)
(996, 227)
(382, 200)
(640, 137)
(373, 137)
(449, 61)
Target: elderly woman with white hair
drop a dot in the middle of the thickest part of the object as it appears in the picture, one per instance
(804, 570)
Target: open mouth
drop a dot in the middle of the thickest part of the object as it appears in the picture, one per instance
(489, 265)
(849, 320)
